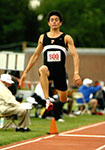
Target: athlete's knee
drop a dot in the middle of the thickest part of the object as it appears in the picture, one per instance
(63, 98)
(43, 70)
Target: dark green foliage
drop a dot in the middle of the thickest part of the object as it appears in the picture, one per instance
(17, 21)
(83, 20)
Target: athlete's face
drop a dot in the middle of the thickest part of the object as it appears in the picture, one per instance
(54, 22)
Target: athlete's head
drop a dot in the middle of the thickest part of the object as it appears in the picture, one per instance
(55, 13)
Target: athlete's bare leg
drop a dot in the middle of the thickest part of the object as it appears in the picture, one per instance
(44, 73)
(62, 95)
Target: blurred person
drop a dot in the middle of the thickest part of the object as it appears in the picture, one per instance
(54, 45)
(15, 77)
(9, 105)
(15, 74)
(87, 90)
(100, 95)
(70, 112)
(69, 109)
(38, 98)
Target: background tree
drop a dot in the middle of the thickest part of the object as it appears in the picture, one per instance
(83, 20)
(17, 21)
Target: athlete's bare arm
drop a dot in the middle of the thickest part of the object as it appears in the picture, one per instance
(70, 43)
(33, 59)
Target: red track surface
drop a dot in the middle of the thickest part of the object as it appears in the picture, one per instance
(90, 137)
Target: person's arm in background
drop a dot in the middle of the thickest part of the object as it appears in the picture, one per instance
(95, 89)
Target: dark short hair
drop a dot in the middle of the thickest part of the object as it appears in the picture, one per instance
(56, 13)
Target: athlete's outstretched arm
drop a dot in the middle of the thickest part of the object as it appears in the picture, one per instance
(33, 59)
(70, 43)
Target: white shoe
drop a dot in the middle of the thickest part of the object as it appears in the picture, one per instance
(72, 115)
(60, 120)
(31, 100)
(77, 112)
(51, 99)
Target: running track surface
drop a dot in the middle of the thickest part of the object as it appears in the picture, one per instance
(91, 137)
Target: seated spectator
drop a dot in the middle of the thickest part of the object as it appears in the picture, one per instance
(14, 86)
(40, 99)
(87, 89)
(70, 102)
(100, 96)
(14, 73)
(9, 105)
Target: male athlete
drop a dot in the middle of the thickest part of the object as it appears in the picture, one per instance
(54, 45)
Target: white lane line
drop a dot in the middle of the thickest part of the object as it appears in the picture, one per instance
(100, 148)
(28, 142)
(32, 141)
(82, 128)
(79, 135)
(50, 136)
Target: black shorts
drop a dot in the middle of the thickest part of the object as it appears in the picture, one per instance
(58, 75)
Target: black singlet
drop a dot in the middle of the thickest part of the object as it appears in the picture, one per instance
(54, 58)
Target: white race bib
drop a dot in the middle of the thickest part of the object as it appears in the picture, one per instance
(53, 56)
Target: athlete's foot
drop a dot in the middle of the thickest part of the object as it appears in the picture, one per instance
(49, 105)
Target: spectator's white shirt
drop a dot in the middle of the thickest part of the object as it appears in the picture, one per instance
(7, 99)
(39, 91)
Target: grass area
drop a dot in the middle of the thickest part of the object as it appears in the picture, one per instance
(40, 127)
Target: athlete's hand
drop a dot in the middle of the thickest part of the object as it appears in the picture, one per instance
(77, 80)
(22, 79)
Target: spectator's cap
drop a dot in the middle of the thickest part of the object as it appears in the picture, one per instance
(6, 78)
(87, 81)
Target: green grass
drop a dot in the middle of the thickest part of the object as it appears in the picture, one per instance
(40, 127)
